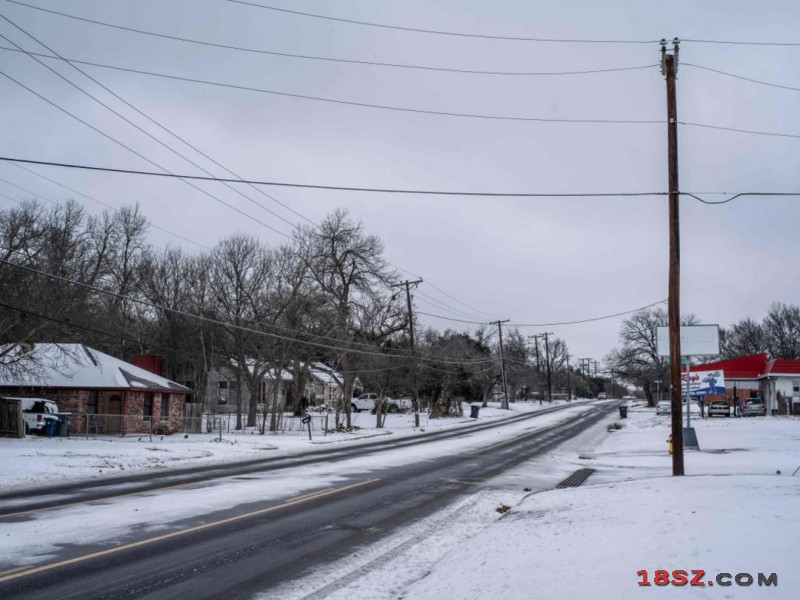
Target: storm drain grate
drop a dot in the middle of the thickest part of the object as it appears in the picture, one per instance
(577, 478)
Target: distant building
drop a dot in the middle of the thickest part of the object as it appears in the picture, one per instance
(776, 381)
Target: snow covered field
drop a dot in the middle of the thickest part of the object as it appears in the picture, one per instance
(735, 512)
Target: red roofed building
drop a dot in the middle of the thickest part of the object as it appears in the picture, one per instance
(777, 381)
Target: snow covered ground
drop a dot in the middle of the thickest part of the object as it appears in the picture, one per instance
(35, 460)
(735, 512)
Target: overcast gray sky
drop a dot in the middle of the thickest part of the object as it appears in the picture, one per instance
(528, 260)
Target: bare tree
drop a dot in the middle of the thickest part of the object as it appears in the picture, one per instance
(349, 269)
(742, 338)
(782, 330)
(638, 361)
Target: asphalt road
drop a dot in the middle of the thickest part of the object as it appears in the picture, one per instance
(255, 547)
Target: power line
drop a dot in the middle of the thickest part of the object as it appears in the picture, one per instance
(580, 321)
(388, 107)
(739, 195)
(121, 116)
(335, 187)
(229, 325)
(159, 125)
(111, 138)
(101, 203)
(442, 32)
(577, 322)
(742, 77)
(741, 43)
(370, 63)
(738, 130)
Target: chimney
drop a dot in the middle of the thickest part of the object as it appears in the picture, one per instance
(149, 362)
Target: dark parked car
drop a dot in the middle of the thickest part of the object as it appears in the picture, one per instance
(719, 408)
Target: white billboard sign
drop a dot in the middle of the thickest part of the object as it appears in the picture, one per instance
(702, 383)
(696, 340)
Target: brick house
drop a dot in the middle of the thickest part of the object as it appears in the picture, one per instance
(103, 393)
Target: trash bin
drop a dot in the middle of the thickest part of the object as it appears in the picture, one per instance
(474, 411)
(64, 421)
(50, 427)
(623, 412)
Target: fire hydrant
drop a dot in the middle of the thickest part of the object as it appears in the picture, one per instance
(669, 443)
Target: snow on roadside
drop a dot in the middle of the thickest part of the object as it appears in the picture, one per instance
(40, 535)
(36, 460)
(735, 512)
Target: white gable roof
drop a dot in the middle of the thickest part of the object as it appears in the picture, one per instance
(78, 366)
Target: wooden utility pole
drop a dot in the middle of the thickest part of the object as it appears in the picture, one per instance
(407, 285)
(669, 67)
(535, 339)
(547, 362)
(569, 382)
(504, 403)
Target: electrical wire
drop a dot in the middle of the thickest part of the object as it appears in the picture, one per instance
(387, 107)
(740, 195)
(101, 203)
(742, 77)
(34, 195)
(580, 321)
(227, 324)
(121, 116)
(741, 43)
(442, 32)
(370, 63)
(339, 188)
(160, 125)
(184, 354)
(738, 130)
(111, 138)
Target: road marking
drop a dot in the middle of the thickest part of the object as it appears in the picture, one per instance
(13, 574)
(15, 570)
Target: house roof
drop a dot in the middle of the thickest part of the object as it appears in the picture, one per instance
(78, 366)
(754, 366)
(783, 366)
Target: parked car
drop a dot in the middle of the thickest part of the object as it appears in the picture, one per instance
(602, 396)
(37, 413)
(754, 407)
(719, 408)
(390, 405)
(664, 407)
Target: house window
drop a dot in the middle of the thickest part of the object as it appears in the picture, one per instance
(796, 387)
(91, 403)
(147, 410)
(164, 406)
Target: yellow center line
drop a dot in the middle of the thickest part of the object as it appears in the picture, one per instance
(15, 570)
(9, 575)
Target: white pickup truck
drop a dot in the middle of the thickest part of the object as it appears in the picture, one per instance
(390, 405)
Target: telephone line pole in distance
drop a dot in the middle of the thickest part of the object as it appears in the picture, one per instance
(407, 285)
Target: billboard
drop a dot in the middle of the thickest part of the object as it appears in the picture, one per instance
(702, 383)
(696, 340)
